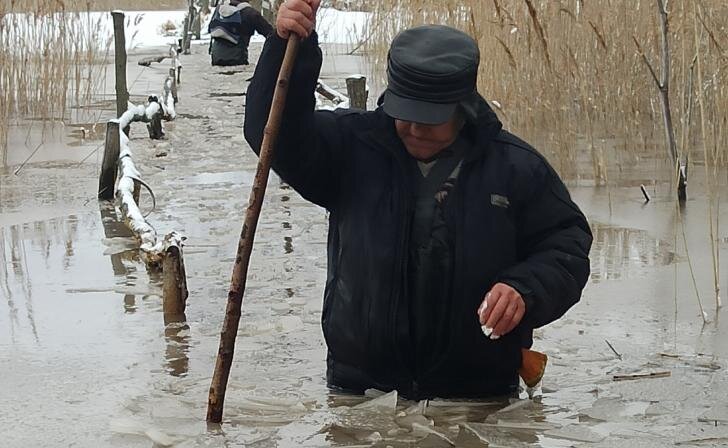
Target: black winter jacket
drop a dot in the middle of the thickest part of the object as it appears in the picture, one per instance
(512, 218)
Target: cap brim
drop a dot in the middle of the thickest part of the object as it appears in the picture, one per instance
(416, 111)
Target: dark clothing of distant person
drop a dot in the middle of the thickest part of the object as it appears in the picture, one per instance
(413, 247)
(231, 28)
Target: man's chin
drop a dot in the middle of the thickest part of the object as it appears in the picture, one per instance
(423, 153)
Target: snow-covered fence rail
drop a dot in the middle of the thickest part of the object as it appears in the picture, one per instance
(357, 91)
(173, 55)
(165, 253)
(332, 94)
(166, 107)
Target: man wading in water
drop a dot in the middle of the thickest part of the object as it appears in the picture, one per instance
(233, 24)
(440, 221)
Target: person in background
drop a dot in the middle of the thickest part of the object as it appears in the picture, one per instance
(450, 239)
(233, 23)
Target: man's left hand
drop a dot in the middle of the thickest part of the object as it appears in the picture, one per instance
(501, 310)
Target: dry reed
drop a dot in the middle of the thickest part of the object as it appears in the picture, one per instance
(567, 72)
(51, 58)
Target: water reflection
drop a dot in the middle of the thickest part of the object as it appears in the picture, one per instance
(619, 252)
(112, 229)
(176, 336)
(18, 259)
(130, 304)
(5, 282)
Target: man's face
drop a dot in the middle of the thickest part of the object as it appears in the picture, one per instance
(423, 141)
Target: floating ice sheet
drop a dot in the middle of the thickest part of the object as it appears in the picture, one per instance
(577, 433)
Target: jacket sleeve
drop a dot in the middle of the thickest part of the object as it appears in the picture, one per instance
(307, 154)
(554, 242)
(261, 25)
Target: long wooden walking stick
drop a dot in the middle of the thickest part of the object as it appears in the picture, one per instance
(245, 245)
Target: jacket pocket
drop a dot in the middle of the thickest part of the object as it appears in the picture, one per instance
(345, 326)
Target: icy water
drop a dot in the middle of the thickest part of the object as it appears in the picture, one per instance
(88, 360)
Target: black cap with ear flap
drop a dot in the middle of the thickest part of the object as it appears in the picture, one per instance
(469, 107)
(430, 70)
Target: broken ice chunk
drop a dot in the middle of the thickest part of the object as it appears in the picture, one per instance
(280, 308)
(387, 402)
(518, 404)
(469, 437)
(159, 437)
(408, 421)
(718, 413)
(432, 437)
(576, 433)
(287, 324)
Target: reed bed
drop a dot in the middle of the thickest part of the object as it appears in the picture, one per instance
(52, 58)
(568, 74)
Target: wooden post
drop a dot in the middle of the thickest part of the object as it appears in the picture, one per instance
(122, 92)
(185, 33)
(356, 88)
(269, 9)
(174, 84)
(175, 279)
(156, 131)
(226, 351)
(110, 164)
(197, 26)
(187, 36)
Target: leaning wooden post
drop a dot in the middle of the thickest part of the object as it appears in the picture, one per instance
(226, 351)
(173, 76)
(175, 280)
(122, 92)
(356, 88)
(110, 164)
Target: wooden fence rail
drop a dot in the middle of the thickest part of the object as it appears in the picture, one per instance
(159, 253)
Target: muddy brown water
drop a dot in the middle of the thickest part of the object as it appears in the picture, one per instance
(87, 359)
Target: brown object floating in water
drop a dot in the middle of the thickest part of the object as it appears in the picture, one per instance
(533, 366)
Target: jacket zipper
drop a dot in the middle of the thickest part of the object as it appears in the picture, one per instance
(410, 363)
